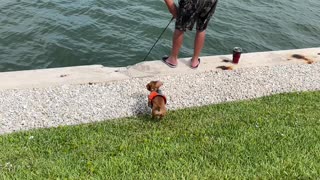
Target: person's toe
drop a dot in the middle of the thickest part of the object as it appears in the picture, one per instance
(171, 63)
(194, 63)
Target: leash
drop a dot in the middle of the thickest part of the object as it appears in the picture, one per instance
(158, 39)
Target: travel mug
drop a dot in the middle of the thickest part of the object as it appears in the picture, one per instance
(236, 55)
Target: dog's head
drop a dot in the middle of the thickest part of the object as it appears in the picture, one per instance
(154, 85)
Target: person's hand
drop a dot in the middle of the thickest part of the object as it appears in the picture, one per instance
(172, 8)
(174, 11)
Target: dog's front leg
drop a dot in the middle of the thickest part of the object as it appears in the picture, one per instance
(149, 103)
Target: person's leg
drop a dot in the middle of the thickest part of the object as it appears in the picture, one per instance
(206, 12)
(177, 41)
(184, 21)
(198, 45)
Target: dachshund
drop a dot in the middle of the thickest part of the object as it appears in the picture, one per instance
(156, 100)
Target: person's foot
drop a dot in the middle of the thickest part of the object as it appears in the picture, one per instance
(171, 62)
(195, 63)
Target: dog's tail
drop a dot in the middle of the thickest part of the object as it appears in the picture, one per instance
(159, 112)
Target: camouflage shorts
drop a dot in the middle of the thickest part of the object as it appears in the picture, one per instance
(191, 11)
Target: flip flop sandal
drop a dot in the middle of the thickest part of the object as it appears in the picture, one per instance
(195, 67)
(164, 60)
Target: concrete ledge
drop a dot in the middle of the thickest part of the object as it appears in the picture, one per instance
(58, 76)
(99, 74)
(222, 62)
(86, 94)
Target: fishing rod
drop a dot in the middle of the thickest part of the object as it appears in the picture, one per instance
(158, 39)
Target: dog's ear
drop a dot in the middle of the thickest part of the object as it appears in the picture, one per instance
(159, 84)
(148, 87)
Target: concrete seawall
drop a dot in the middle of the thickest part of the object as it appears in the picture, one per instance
(83, 94)
(100, 74)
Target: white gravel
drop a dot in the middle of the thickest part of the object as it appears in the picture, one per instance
(75, 104)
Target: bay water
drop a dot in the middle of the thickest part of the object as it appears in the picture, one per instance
(37, 34)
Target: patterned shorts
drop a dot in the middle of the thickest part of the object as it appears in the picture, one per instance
(191, 11)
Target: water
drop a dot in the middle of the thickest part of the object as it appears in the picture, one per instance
(58, 33)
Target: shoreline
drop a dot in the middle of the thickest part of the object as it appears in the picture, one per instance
(96, 93)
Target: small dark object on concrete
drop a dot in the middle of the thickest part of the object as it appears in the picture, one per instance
(310, 62)
(226, 60)
(225, 67)
(63, 75)
(298, 56)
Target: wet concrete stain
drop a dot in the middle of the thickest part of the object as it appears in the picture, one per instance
(299, 56)
(225, 68)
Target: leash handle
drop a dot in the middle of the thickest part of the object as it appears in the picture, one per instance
(158, 39)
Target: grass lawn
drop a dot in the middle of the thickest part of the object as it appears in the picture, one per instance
(267, 138)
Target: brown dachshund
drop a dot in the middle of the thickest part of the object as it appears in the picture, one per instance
(156, 100)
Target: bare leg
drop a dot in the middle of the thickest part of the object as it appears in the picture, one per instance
(198, 45)
(176, 45)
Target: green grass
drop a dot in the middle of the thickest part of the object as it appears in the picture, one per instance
(268, 138)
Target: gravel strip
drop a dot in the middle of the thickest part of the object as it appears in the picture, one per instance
(76, 104)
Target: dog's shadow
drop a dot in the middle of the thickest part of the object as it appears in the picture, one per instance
(141, 104)
(140, 108)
